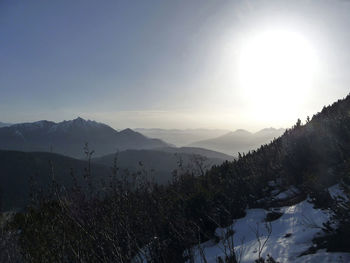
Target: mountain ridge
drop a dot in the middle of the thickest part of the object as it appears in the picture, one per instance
(181, 137)
(69, 137)
(239, 140)
(4, 124)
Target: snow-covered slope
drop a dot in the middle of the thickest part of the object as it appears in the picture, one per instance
(290, 236)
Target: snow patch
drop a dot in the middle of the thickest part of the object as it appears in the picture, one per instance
(291, 192)
(336, 192)
(291, 235)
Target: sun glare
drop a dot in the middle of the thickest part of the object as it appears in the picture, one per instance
(276, 70)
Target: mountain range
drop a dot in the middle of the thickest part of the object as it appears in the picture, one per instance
(26, 150)
(180, 137)
(239, 141)
(69, 137)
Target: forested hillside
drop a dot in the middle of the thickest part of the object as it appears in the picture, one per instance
(160, 163)
(20, 170)
(136, 220)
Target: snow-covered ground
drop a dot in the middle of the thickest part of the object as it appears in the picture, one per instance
(290, 236)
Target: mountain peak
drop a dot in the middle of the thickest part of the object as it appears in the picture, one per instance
(79, 119)
(241, 131)
(269, 131)
(127, 131)
(80, 122)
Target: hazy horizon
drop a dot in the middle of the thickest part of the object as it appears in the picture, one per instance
(154, 128)
(173, 65)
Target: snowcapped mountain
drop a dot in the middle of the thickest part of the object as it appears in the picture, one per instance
(64, 126)
(69, 138)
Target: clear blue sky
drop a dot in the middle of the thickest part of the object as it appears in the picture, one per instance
(153, 63)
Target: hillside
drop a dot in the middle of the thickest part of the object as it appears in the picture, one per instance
(69, 137)
(286, 186)
(198, 151)
(17, 169)
(161, 162)
(239, 141)
(2, 124)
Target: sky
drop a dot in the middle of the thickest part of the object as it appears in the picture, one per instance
(167, 64)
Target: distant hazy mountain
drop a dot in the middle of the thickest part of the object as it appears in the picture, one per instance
(3, 124)
(239, 141)
(198, 151)
(16, 169)
(159, 163)
(69, 138)
(181, 137)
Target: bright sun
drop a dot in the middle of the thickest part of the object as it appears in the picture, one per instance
(276, 70)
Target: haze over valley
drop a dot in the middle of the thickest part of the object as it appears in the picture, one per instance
(180, 137)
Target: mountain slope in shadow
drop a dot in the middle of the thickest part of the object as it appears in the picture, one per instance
(3, 124)
(160, 163)
(17, 169)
